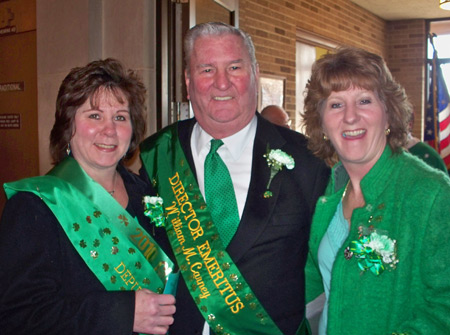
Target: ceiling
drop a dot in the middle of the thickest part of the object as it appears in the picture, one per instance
(404, 9)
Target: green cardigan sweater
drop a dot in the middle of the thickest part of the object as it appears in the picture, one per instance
(410, 202)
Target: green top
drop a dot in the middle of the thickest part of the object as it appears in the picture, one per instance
(409, 202)
(428, 155)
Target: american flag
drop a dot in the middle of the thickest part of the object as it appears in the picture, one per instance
(437, 115)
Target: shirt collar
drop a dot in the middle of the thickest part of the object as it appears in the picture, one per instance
(235, 143)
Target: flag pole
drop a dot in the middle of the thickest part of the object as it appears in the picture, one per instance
(435, 92)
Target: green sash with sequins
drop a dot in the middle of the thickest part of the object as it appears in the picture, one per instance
(221, 293)
(115, 247)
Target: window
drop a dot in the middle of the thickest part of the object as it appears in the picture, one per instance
(309, 48)
(441, 41)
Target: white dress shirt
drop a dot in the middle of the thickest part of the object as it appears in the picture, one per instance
(237, 154)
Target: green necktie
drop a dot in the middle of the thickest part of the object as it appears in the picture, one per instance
(219, 194)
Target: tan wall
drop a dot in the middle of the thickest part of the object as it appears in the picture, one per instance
(73, 33)
(18, 146)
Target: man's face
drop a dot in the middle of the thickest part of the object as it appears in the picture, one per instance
(221, 86)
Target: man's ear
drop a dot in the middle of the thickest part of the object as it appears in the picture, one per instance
(187, 81)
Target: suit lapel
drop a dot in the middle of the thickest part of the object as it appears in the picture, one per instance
(185, 129)
(257, 210)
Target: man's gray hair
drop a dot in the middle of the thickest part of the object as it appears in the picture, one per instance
(216, 29)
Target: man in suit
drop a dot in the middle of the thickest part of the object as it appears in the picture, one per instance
(255, 283)
(276, 115)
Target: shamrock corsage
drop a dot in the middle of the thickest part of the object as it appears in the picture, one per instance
(276, 159)
(153, 208)
(374, 251)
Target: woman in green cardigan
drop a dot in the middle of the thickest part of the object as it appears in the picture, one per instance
(378, 244)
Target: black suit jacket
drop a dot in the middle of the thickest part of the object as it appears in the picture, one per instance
(271, 242)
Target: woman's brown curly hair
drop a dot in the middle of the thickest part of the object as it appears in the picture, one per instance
(83, 83)
(347, 68)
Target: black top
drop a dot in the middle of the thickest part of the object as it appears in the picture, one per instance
(45, 286)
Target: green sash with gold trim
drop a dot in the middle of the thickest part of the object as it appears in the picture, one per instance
(221, 293)
(121, 254)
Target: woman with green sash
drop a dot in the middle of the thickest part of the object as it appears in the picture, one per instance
(77, 251)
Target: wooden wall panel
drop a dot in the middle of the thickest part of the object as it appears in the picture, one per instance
(19, 156)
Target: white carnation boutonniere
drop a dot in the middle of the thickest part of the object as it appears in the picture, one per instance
(374, 250)
(153, 208)
(276, 160)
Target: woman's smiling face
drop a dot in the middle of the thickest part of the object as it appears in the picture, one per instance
(102, 134)
(355, 121)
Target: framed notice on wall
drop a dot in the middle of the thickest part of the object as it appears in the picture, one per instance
(10, 121)
(271, 91)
